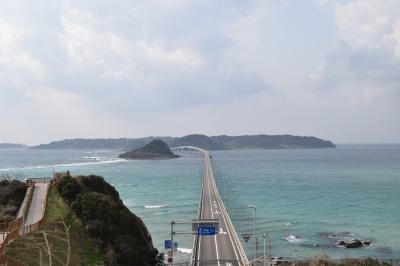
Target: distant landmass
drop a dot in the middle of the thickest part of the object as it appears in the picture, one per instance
(222, 142)
(252, 142)
(201, 141)
(156, 149)
(12, 146)
(100, 143)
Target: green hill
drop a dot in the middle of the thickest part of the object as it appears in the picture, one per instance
(87, 224)
(156, 149)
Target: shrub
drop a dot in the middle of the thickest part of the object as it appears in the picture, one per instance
(121, 234)
(12, 193)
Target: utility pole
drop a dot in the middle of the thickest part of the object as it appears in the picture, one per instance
(172, 243)
(254, 232)
(265, 262)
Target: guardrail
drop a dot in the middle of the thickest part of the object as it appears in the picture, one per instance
(196, 238)
(238, 244)
(22, 230)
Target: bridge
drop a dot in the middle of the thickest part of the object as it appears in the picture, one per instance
(224, 248)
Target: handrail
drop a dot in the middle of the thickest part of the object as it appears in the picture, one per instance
(196, 238)
(242, 253)
(231, 228)
(21, 229)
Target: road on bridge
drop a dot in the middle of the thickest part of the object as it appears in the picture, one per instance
(222, 249)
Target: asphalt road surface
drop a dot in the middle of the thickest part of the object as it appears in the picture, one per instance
(219, 249)
(38, 204)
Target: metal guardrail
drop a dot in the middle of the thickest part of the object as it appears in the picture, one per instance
(21, 230)
(238, 244)
(196, 238)
(231, 228)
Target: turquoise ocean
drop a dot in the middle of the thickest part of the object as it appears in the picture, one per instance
(307, 199)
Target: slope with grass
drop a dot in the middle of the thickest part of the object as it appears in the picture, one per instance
(86, 224)
(62, 240)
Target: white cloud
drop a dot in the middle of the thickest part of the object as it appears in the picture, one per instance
(231, 66)
(15, 62)
(364, 62)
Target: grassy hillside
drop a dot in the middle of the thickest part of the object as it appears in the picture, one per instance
(63, 240)
(120, 234)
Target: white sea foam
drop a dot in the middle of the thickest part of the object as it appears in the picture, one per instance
(185, 250)
(293, 239)
(154, 206)
(107, 161)
(290, 223)
(96, 158)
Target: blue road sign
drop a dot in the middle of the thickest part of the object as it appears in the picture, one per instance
(206, 231)
(167, 244)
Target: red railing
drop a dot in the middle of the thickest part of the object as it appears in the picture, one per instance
(16, 228)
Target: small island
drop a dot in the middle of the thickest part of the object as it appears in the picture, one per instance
(156, 149)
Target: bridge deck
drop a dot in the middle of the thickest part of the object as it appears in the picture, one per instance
(223, 249)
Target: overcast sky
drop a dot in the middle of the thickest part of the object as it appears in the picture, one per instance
(136, 68)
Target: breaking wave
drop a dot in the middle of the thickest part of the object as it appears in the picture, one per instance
(154, 206)
(292, 239)
(107, 161)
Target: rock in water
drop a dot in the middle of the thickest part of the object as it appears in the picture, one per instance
(156, 149)
(353, 244)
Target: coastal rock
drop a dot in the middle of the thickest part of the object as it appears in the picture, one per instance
(353, 244)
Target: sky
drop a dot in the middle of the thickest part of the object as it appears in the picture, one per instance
(112, 68)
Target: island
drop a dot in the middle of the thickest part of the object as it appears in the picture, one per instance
(156, 149)
(221, 142)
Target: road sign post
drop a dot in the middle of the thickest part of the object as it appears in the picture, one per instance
(171, 259)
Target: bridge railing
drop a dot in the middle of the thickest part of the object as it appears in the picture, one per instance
(236, 239)
(196, 238)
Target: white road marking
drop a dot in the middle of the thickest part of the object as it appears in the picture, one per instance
(223, 216)
(212, 215)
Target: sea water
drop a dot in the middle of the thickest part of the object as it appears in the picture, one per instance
(307, 199)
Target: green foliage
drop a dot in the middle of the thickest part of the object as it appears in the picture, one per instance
(12, 193)
(62, 229)
(156, 149)
(97, 184)
(69, 188)
(118, 232)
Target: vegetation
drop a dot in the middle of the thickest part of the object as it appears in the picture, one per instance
(324, 260)
(251, 142)
(210, 143)
(112, 144)
(201, 141)
(271, 142)
(120, 234)
(12, 193)
(156, 149)
(62, 240)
